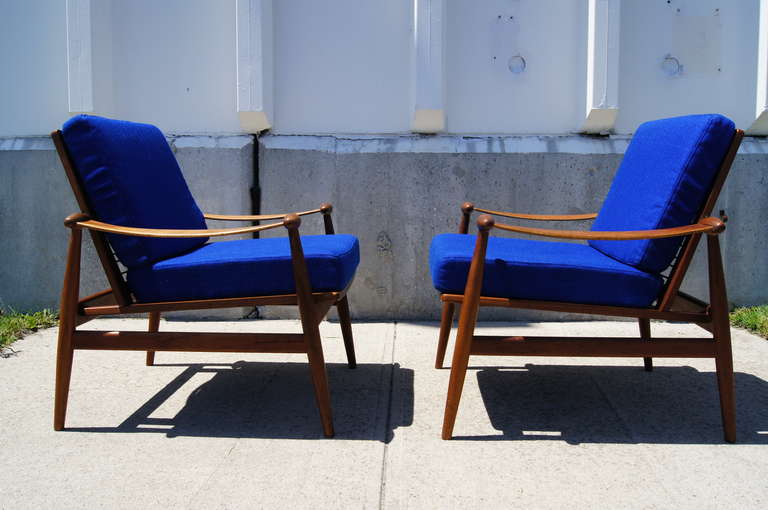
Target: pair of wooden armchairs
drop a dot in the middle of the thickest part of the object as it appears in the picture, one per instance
(141, 215)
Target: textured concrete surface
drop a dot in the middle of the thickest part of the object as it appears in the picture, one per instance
(396, 193)
(35, 197)
(242, 431)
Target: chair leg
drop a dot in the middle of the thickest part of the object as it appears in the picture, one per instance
(469, 310)
(154, 326)
(319, 378)
(64, 357)
(721, 330)
(458, 371)
(346, 331)
(65, 352)
(309, 324)
(724, 367)
(446, 321)
(645, 333)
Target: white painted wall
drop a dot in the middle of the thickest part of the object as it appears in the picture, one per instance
(715, 41)
(33, 66)
(174, 64)
(342, 66)
(484, 96)
(347, 66)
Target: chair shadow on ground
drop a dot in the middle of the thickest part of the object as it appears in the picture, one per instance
(612, 404)
(276, 400)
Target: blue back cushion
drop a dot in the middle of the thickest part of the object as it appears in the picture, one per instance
(663, 181)
(131, 178)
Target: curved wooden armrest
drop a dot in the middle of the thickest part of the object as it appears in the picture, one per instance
(325, 208)
(82, 221)
(540, 217)
(704, 226)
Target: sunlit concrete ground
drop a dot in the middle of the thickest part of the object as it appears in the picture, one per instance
(242, 431)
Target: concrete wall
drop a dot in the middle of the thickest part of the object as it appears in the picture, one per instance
(395, 193)
(35, 198)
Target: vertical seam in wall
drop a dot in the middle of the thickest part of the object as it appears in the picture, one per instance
(255, 193)
(255, 188)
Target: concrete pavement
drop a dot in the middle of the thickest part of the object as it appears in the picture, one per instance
(241, 431)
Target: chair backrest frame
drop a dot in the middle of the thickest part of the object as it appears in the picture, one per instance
(108, 260)
(687, 250)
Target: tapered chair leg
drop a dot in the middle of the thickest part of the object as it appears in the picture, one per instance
(309, 324)
(346, 331)
(721, 330)
(469, 310)
(154, 326)
(725, 385)
(319, 379)
(64, 353)
(64, 357)
(446, 321)
(458, 374)
(645, 334)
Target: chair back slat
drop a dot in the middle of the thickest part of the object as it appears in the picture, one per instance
(106, 257)
(680, 266)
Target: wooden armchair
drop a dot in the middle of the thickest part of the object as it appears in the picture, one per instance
(137, 207)
(640, 247)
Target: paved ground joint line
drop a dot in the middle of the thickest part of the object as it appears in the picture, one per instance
(237, 439)
(614, 409)
(388, 421)
(215, 470)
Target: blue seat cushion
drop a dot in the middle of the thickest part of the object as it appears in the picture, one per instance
(542, 271)
(250, 267)
(663, 181)
(130, 177)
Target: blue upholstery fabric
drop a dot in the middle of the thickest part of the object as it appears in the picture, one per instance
(663, 181)
(130, 177)
(251, 267)
(541, 270)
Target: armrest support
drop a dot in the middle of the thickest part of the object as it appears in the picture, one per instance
(540, 217)
(256, 217)
(712, 226)
(468, 207)
(80, 221)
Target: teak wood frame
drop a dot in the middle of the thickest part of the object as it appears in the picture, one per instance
(672, 304)
(117, 300)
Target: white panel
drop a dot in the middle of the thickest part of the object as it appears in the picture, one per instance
(254, 73)
(602, 65)
(343, 66)
(33, 67)
(515, 66)
(760, 125)
(428, 115)
(683, 57)
(175, 64)
(79, 65)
